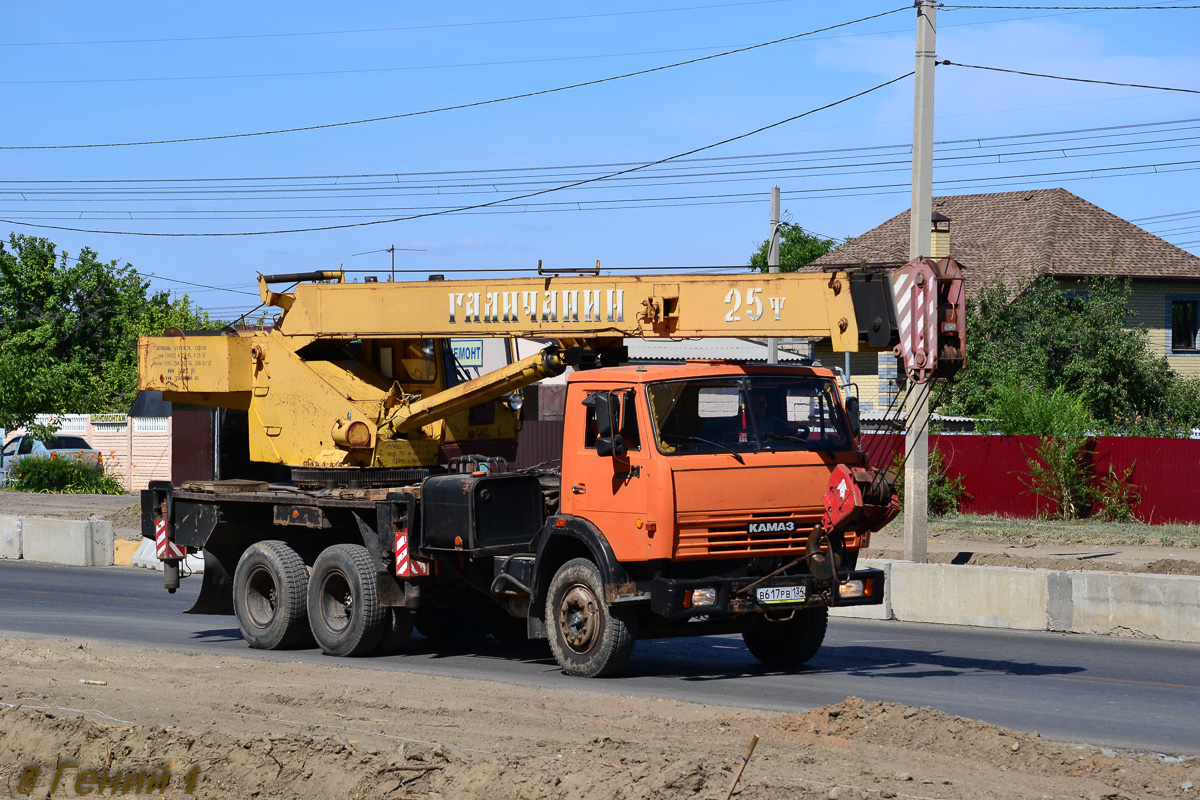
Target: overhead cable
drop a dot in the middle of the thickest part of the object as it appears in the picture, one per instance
(395, 29)
(948, 63)
(1067, 8)
(476, 104)
(517, 198)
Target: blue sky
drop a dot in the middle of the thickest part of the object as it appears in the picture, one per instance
(88, 73)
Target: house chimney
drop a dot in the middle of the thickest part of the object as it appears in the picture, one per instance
(940, 236)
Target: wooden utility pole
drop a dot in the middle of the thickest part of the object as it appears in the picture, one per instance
(916, 438)
(773, 266)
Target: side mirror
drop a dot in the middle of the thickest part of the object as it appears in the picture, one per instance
(853, 416)
(607, 406)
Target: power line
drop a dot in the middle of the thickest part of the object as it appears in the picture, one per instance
(1107, 131)
(394, 29)
(658, 177)
(476, 104)
(1068, 8)
(729, 140)
(318, 73)
(652, 180)
(948, 63)
(726, 198)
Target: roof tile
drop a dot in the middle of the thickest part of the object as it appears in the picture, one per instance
(1014, 235)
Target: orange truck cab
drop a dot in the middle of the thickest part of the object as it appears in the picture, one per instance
(696, 491)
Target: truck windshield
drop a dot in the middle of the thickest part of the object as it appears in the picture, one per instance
(747, 414)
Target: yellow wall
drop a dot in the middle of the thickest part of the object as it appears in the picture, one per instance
(1151, 301)
(865, 373)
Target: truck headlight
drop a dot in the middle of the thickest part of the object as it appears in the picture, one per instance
(704, 597)
(514, 401)
(851, 589)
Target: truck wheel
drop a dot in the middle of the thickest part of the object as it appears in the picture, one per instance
(343, 609)
(790, 643)
(397, 630)
(269, 589)
(587, 637)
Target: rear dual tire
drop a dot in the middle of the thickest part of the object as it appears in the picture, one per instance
(270, 587)
(343, 605)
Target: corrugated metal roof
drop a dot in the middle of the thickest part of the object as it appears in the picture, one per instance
(724, 348)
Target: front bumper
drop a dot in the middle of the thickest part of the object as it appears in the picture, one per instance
(674, 599)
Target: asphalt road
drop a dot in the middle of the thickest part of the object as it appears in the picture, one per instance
(1126, 693)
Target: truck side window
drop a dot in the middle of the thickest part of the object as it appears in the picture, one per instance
(10, 449)
(629, 425)
(26, 446)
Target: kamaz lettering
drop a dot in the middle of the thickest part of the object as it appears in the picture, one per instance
(772, 527)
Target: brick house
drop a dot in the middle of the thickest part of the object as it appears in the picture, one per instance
(1015, 236)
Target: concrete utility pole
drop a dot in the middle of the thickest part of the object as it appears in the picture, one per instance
(773, 266)
(916, 437)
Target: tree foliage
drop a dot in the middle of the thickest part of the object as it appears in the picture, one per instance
(1047, 359)
(797, 247)
(69, 328)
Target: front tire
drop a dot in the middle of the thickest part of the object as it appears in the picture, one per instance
(790, 643)
(587, 637)
(343, 607)
(270, 586)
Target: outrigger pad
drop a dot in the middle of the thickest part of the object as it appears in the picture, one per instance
(216, 591)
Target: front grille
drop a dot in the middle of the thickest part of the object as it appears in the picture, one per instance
(717, 534)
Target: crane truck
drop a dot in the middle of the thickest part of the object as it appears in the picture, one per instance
(691, 499)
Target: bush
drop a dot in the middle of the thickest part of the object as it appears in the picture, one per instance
(1019, 409)
(79, 474)
(945, 495)
(1060, 472)
(1117, 495)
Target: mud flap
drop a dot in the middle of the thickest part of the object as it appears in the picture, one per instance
(216, 590)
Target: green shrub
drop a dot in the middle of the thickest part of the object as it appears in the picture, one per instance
(945, 495)
(1117, 495)
(1019, 409)
(1060, 473)
(78, 474)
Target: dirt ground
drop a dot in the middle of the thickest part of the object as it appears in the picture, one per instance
(340, 730)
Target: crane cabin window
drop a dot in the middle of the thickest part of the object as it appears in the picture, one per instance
(407, 360)
(747, 414)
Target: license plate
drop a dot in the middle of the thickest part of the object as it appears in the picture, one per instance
(782, 594)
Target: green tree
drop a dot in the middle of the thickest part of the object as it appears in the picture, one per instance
(69, 328)
(1049, 354)
(797, 247)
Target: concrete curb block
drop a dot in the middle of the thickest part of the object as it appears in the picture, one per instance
(883, 611)
(1091, 602)
(78, 543)
(10, 536)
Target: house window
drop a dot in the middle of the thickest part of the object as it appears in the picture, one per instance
(1183, 325)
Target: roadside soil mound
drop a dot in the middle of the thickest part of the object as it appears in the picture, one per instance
(268, 728)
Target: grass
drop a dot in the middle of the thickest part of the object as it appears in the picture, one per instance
(1035, 531)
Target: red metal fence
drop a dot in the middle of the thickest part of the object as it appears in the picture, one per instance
(1166, 472)
(995, 469)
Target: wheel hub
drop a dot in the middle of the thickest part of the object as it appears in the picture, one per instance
(579, 618)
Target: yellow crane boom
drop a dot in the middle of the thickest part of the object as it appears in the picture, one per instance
(360, 374)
